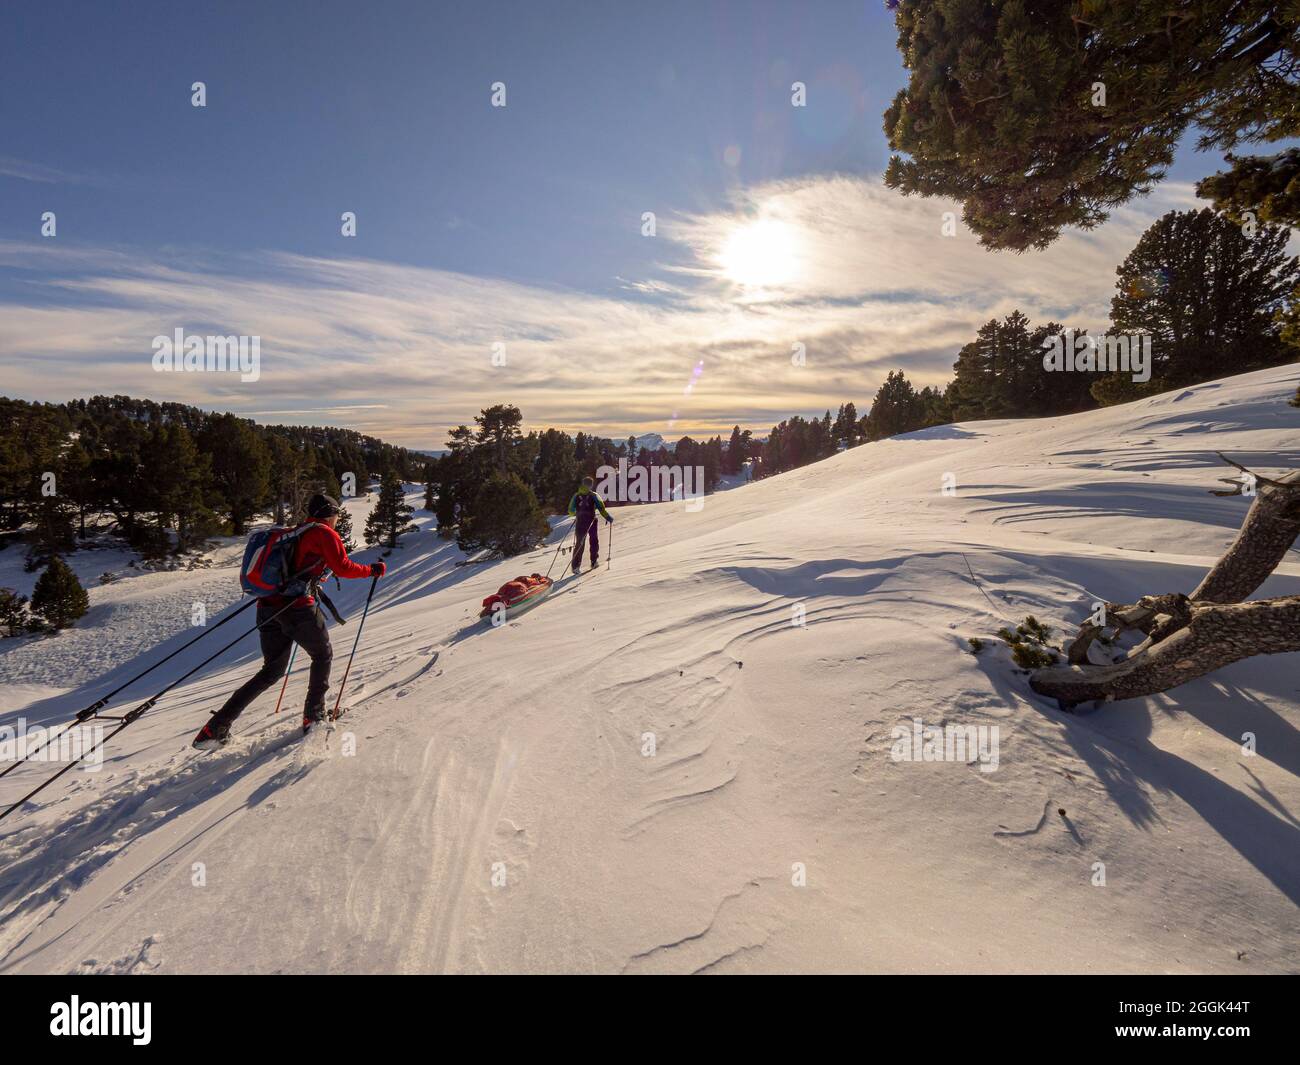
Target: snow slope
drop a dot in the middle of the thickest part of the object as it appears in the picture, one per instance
(500, 811)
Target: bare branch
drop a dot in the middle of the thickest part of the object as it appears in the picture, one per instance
(1251, 473)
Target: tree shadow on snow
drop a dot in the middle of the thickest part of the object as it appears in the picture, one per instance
(1115, 742)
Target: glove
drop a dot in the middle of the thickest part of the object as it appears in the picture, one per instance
(378, 569)
(609, 519)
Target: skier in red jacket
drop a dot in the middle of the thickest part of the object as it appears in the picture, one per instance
(318, 553)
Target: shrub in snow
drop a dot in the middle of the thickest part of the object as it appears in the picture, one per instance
(1028, 644)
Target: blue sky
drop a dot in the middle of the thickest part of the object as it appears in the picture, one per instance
(478, 225)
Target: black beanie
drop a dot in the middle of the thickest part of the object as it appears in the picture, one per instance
(322, 506)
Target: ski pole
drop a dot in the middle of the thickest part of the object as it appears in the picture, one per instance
(554, 557)
(95, 707)
(609, 561)
(138, 712)
(293, 653)
(285, 685)
(360, 625)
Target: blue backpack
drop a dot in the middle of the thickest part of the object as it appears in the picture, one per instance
(268, 563)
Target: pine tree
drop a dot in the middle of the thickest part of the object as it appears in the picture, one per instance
(1003, 112)
(934, 407)
(322, 479)
(77, 482)
(505, 518)
(846, 425)
(344, 528)
(896, 409)
(52, 531)
(59, 597)
(14, 619)
(735, 454)
(499, 430)
(173, 475)
(1266, 187)
(557, 469)
(1000, 374)
(712, 463)
(391, 516)
(457, 474)
(288, 468)
(240, 465)
(1210, 296)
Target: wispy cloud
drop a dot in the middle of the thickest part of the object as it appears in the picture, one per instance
(406, 352)
(45, 175)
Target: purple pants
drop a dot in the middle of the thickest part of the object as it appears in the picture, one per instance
(591, 528)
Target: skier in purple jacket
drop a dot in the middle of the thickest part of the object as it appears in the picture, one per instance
(583, 506)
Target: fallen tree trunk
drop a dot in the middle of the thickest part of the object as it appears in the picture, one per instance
(1189, 636)
(1214, 635)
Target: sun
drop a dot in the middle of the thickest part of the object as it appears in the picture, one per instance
(760, 254)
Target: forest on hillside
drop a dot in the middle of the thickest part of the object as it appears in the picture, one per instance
(166, 475)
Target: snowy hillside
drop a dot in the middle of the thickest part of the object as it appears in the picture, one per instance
(501, 812)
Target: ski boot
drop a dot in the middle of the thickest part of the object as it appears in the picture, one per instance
(212, 736)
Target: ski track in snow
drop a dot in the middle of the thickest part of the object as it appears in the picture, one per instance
(490, 803)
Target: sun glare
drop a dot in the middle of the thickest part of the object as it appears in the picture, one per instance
(761, 254)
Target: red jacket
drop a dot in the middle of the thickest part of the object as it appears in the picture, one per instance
(320, 551)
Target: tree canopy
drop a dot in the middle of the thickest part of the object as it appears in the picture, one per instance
(1038, 115)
